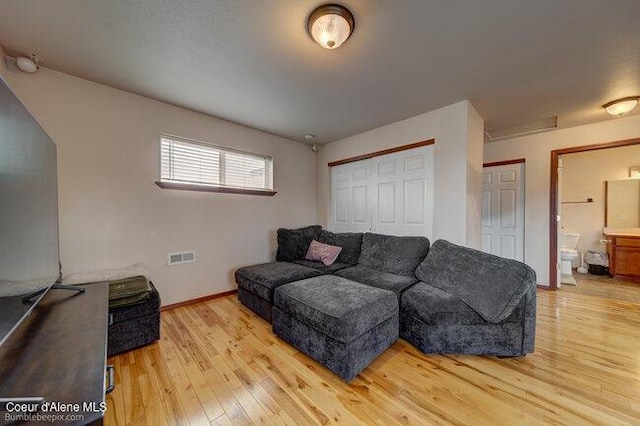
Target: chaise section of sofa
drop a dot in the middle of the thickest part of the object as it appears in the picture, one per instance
(256, 283)
(469, 302)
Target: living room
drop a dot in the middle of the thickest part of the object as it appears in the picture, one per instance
(107, 112)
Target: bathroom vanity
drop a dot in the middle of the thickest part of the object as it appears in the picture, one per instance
(623, 248)
(622, 228)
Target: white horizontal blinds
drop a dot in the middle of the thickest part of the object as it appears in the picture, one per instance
(195, 163)
(247, 171)
(186, 162)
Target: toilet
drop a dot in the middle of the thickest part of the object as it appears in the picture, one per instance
(568, 252)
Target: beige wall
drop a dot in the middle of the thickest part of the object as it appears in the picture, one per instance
(584, 176)
(475, 155)
(3, 65)
(536, 150)
(457, 130)
(111, 213)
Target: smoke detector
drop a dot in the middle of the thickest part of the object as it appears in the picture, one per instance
(28, 64)
(309, 137)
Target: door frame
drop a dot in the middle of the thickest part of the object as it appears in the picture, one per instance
(504, 163)
(553, 198)
(381, 153)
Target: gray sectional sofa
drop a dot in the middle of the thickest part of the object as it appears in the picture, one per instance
(442, 298)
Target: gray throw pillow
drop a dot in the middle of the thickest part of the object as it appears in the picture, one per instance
(294, 243)
(349, 241)
(389, 253)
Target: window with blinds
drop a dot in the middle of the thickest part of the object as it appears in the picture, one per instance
(187, 162)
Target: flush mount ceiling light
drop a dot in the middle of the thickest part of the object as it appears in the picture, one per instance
(621, 106)
(330, 25)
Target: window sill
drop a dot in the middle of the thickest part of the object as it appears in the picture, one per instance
(221, 189)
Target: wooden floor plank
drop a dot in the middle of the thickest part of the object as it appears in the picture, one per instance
(219, 363)
(188, 400)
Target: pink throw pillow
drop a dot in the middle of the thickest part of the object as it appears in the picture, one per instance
(323, 252)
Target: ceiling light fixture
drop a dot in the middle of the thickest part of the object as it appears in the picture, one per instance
(330, 25)
(621, 106)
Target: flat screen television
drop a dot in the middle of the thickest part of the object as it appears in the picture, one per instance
(29, 254)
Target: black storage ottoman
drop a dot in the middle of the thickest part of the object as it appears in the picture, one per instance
(135, 325)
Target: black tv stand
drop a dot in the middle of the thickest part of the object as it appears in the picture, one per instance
(29, 297)
(58, 353)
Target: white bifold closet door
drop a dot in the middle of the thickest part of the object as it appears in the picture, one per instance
(351, 197)
(391, 194)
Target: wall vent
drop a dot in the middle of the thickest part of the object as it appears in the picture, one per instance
(181, 257)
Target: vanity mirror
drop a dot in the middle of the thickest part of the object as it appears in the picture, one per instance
(623, 204)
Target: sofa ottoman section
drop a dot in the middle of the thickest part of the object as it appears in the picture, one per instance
(342, 324)
(256, 283)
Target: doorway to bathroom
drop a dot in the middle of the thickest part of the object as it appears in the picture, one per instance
(579, 177)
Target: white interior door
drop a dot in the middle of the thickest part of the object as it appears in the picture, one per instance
(402, 195)
(351, 197)
(503, 211)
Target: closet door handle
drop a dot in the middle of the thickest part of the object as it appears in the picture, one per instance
(111, 379)
(110, 321)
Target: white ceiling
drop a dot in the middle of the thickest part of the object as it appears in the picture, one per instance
(252, 62)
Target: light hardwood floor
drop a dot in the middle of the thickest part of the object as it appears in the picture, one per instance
(219, 363)
(605, 287)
